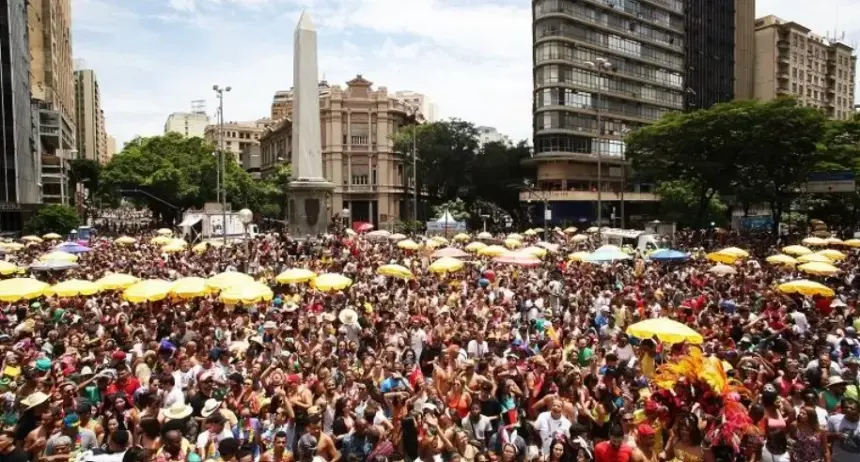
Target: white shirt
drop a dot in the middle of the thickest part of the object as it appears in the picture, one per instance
(477, 350)
(549, 427)
(175, 396)
(203, 438)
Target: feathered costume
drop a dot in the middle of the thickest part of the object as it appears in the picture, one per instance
(698, 381)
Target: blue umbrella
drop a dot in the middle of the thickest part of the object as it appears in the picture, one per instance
(72, 247)
(669, 255)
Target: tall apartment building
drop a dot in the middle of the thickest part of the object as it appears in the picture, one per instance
(110, 149)
(90, 123)
(719, 51)
(19, 182)
(237, 135)
(356, 125)
(423, 103)
(53, 93)
(791, 60)
(491, 135)
(188, 124)
(602, 68)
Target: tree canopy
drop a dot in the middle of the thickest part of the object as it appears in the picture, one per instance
(751, 151)
(53, 218)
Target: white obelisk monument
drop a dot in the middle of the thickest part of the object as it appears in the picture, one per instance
(309, 191)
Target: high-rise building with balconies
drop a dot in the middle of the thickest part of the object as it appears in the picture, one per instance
(793, 61)
(602, 68)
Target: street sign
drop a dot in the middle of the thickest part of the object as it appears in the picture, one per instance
(830, 182)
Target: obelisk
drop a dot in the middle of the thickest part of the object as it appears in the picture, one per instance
(309, 191)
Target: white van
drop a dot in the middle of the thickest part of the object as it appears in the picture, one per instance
(642, 241)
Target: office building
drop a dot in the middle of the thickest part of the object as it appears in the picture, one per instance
(188, 124)
(237, 135)
(358, 155)
(792, 60)
(53, 93)
(423, 103)
(491, 135)
(601, 70)
(19, 183)
(91, 135)
(719, 51)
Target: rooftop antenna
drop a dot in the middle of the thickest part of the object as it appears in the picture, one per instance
(198, 106)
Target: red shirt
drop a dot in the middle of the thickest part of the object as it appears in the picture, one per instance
(605, 452)
(131, 385)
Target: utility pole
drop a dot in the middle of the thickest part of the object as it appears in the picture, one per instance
(600, 65)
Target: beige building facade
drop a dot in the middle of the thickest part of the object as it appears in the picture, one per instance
(793, 61)
(53, 93)
(356, 125)
(111, 149)
(187, 124)
(744, 49)
(238, 135)
(89, 120)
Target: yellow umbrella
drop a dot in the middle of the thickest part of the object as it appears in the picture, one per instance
(578, 256)
(172, 248)
(227, 279)
(570, 230)
(737, 252)
(440, 239)
(815, 241)
(295, 276)
(834, 241)
(535, 251)
(446, 265)
(515, 236)
(805, 287)
(331, 281)
(32, 238)
(484, 235)
(832, 254)
(202, 246)
(12, 246)
(396, 237)
(492, 251)
(7, 268)
(853, 242)
(150, 290)
(16, 289)
(818, 269)
(592, 229)
(190, 287)
(530, 232)
(408, 244)
(462, 237)
(722, 270)
(161, 240)
(164, 232)
(125, 240)
(431, 244)
(72, 288)
(780, 259)
(59, 255)
(723, 257)
(51, 237)
(395, 271)
(538, 230)
(579, 238)
(512, 243)
(814, 257)
(666, 330)
(475, 246)
(116, 281)
(247, 293)
(796, 250)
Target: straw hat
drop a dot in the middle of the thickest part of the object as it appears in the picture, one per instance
(34, 400)
(348, 317)
(209, 407)
(177, 412)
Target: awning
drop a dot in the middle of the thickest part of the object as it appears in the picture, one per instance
(190, 221)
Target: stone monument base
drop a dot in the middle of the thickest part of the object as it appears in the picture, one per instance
(308, 213)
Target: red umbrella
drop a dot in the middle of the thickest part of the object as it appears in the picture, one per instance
(449, 252)
(362, 226)
(520, 259)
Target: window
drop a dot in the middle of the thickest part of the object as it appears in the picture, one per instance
(359, 140)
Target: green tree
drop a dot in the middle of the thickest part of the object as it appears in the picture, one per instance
(840, 152)
(178, 173)
(457, 208)
(498, 167)
(679, 203)
(53, 218)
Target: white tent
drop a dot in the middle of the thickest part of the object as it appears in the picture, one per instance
(445, 224)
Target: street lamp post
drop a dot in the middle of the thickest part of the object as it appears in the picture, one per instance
(246, 217)
(547, 212)
(221, 161)
(345, 214)
(600, 65)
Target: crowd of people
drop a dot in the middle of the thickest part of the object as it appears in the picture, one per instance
(493, 362)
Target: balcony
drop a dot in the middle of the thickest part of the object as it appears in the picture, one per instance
(574, 39)
(586, 196)
(360, 188)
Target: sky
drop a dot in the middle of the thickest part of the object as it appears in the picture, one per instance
(471, 57)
